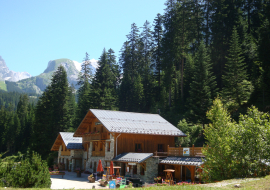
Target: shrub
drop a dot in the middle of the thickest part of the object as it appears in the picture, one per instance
(31, 171)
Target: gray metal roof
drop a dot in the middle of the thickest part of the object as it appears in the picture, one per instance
(132, 157)
(140, 123)
(70, 141)
(192, 161)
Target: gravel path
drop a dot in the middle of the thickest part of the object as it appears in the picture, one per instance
(229, 182)
(70, 181)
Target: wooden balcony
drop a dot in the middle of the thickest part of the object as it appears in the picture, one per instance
(65, 153)
(178, 151)
(99, 136)
(98, 153)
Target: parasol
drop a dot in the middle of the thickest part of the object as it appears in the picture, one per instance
(100, 168)
(111, 168)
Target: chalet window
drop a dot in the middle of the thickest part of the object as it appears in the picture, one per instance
(108, 146)
(62, 148)
(138, 147)
(65, 148)
(94, 146)
(100, 146)
(85, 147)
(142, 170)
(95, 129)
(134, 169)
(160, 148)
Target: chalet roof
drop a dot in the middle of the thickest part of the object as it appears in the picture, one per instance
(70, 141)
(130, 122)
(132, 157)
(192, 161)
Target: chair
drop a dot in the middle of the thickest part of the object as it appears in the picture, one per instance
(123, 182)
(118, 180)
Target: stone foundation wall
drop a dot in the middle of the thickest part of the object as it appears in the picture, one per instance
(151, 169)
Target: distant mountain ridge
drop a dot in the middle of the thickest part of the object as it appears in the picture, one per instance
(38, 83)
(7, 75)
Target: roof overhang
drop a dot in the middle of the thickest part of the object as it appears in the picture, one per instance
(132, 157)
(186, 161)
(58, 141)
(87, 120)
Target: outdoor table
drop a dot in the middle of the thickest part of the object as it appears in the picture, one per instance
(117, 174)
(169, 176)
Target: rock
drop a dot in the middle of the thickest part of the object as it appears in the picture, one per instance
(237, 185)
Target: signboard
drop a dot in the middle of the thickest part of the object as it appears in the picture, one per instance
(98, 123)
(132, 164)
(112, 185)
(185, 151)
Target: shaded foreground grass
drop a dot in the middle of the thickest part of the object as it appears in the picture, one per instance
(260, 184)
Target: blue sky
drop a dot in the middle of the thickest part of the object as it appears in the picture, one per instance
(33, 32)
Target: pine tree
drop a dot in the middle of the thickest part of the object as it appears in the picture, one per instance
(146, 71)
(71, 103)
(157, 52)
(202, 87)
(51, 113)
(104, 83)
(237, 88)
(84, 92)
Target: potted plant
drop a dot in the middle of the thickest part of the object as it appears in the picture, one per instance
(157, 179)
(103, 182)
(91, 178)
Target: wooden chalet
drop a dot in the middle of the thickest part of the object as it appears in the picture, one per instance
(133, 142)
(70, 150)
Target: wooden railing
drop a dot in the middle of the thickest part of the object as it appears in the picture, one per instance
(65, 153)
(98, 153)
(99, 136)
(178, 151)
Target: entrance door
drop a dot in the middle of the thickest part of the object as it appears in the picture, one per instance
(78, 163)
(95, 167)
(183, 173)
(123, 169)
(67, 164)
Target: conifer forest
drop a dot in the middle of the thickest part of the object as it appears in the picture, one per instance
(175, 66)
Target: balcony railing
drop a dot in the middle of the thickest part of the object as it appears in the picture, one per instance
(65, 153)
(179, 151)
(98, 153)
(96, 136)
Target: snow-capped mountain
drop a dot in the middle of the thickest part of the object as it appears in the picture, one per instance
(24, 82)
(6, 74)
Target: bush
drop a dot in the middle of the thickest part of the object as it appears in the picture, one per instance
(31, 171)
(236, 150)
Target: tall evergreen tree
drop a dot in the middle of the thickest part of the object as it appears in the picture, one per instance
(157, 52)
(237, 88)
(84, 92)
(104, 83)
(51, 113)
(203, 86)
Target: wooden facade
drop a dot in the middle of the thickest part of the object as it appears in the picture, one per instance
(58, 142)
(142, 143)
(92, 130)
